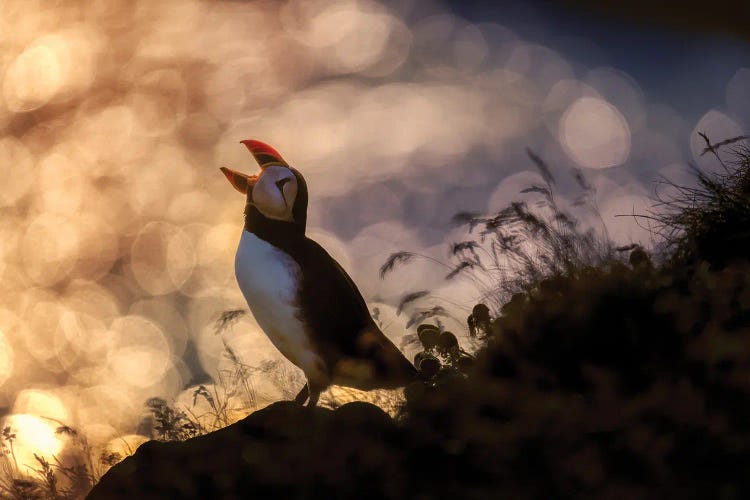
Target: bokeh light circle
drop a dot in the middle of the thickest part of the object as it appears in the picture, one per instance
(162, 257)
(594, 133)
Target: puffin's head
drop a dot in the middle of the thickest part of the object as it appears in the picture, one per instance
(279, 192)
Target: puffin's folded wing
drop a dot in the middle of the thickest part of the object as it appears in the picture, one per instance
(341, 325)
(331, 304)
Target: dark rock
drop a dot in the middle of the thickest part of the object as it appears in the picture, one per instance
(284, 450)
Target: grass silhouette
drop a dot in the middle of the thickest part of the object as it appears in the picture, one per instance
(711, 221)
(518, 247)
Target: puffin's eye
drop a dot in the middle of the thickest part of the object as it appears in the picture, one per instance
(280, 183)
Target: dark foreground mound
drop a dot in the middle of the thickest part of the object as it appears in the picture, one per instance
(624, 382)
(282, 451)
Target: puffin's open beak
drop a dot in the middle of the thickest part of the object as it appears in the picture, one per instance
(241, 182)
(264, 154)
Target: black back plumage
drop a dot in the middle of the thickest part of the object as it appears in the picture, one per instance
(356, 351)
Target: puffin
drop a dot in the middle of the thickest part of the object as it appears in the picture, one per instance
(302, 299)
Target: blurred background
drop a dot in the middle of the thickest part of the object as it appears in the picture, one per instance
(118, 232)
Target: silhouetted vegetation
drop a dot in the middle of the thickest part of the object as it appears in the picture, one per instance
(711, 221)
(513, 250)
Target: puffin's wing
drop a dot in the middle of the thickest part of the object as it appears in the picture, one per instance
(330, 301)
(340, 323)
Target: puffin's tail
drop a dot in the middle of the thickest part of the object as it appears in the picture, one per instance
(397, 371)
(378, 365)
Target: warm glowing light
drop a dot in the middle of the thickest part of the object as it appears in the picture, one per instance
(594, 133)
(34, 435)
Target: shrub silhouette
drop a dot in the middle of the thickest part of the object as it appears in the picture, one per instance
(711, 221)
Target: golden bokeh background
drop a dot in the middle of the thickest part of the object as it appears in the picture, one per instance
(117, 231)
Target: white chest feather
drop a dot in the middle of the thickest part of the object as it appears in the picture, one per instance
(269, 280)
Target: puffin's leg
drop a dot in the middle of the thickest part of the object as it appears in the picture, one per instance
(314, 395)
(318, 379)
(302, 396)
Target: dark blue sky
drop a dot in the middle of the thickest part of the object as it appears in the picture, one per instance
(687, 70)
